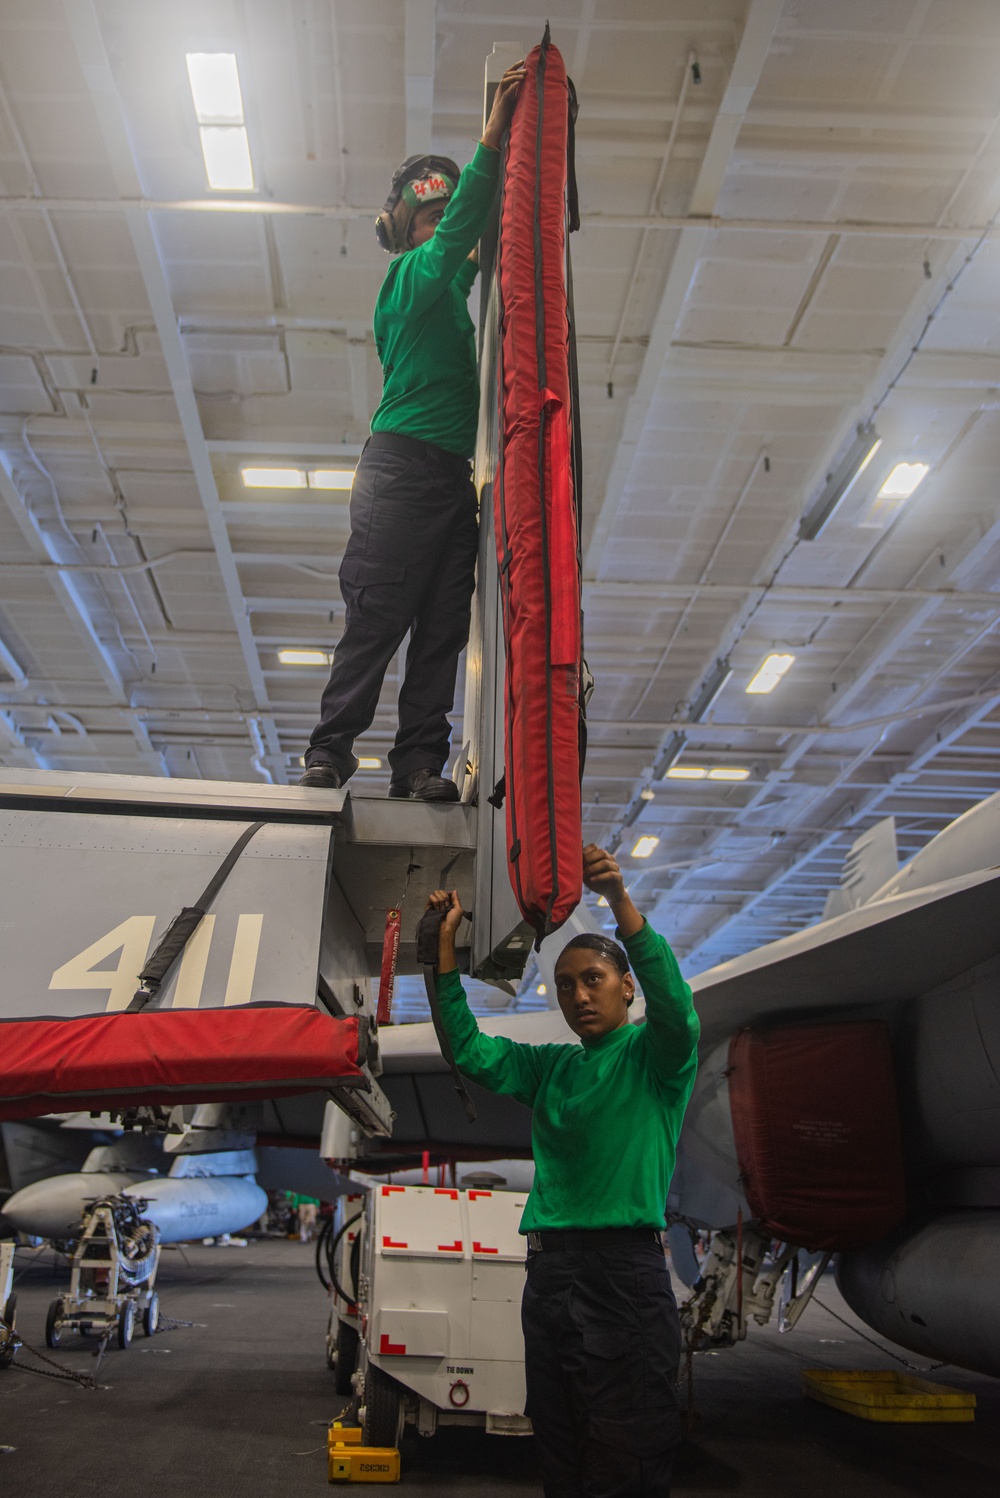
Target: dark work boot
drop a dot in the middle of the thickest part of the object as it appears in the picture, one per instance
(321, 778)
(423, 785)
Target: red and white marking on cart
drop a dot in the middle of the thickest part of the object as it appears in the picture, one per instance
(388, 1242)
(450, 1248)
(391, 1349)
(478, 1248)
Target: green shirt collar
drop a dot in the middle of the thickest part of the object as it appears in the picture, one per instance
(613, 1038)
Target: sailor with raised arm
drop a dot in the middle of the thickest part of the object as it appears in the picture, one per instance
(601, 1334)
(410, 562)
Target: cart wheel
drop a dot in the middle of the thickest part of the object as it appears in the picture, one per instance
(8, 1341)
(126, 1324)
(344, 1358)
(383, 1413)
(151, 1315)
(53, 1331)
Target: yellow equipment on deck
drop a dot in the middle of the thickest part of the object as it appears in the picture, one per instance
(349, 1461)
(885, 1395)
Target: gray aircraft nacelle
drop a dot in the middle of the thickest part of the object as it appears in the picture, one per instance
(921, 952)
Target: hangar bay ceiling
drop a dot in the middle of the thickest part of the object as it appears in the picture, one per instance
(789, 233)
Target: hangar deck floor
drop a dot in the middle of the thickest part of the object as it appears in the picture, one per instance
(238, 1403)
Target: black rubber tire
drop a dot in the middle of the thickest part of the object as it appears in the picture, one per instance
(10, 1321)
(151, 1315)
(53, 1333)
(383, 1403)
(126, 1324)
(346, 1358)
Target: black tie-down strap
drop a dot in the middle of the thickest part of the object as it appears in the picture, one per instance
(183, 926)
(428, 928)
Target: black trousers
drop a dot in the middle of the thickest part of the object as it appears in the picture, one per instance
(409, 565)
(601, 1352)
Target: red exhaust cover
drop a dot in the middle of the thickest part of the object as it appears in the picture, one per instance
(113, 1061)
(535, 510)
(817, 1132)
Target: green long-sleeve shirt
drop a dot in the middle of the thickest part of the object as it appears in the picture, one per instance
(423, 332)
(605, 1114)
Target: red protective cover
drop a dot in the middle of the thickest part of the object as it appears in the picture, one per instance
(169, 1056)
(535, 510)
(817, 1132)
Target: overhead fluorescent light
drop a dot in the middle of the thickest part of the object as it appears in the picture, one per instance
(903, 479)
(369, 762)
(647, 793)
(687, 772)
(226, 151)
(602, 902)
(542, 989)
(331, 478)
(840, 482)
(770, 673)
(215, 87)
(645, 846)
(713, 685)
(728, 772)
(304, 657)
(218, 105)
(273, 478)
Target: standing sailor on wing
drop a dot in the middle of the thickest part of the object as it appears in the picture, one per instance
(411, 558)
(601, 1334)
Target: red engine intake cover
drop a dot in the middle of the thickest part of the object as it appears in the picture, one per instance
(817, 1132)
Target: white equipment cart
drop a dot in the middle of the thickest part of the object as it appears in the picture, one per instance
(439, 1296)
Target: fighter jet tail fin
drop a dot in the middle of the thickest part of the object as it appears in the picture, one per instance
(872, 862)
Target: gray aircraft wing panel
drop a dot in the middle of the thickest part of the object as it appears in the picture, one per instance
(893, 950)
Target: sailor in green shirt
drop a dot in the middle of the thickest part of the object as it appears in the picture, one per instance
(601, 1334)
(411, 559)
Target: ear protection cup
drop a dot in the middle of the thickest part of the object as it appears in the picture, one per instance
(390, 226)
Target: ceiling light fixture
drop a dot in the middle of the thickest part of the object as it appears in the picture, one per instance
(890, 499)
(728, 772)
(647, 793)
(304, 657)
(645, 846)
(331, 478)
(840, 482)
(669, 755)
(712, 686)
(218, 104)
(273, 478)
(369, 762)
(769, 673)
(903, 480)
(687, 772)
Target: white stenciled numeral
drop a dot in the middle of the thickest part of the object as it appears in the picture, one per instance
(133, 939)
(244, 963)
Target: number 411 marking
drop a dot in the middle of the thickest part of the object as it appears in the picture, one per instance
(133, 938)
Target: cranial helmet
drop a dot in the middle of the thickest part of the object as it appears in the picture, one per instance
(420, 179)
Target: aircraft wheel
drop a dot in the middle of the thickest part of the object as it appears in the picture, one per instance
(53, 1331)
(382, 1424)
(151, 1315)
(126, 1324)
(345, 1359)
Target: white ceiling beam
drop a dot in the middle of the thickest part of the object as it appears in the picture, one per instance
(761, 20)
(93, 58)
(137, 202)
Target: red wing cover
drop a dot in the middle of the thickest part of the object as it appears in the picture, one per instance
(535, 507)
(104, 1061)
(817, 1134)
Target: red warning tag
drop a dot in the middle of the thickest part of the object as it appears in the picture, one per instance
(390, 953)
